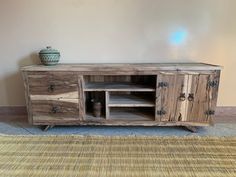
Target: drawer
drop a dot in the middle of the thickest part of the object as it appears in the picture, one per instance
(53, 83)
(53, 110)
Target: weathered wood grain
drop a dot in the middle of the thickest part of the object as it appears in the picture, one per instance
(56, 95)
(166, 95)
(158, 106)
(63, 96)
(27, 97)
(199, 105)
(213, 94)
(54, 109)
(117, 86)
(181, 94)
(107, 108)
(81, 98)
(123, 68)
(52, 83)
(111, 122)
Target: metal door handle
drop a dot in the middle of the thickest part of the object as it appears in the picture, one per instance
(182, 97)
(190, 97)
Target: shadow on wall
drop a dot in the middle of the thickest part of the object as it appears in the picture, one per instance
(14, 86)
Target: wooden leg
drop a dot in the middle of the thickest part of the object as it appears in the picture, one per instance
(45, 128)
(192, 129)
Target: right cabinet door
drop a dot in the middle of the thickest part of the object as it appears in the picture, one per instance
(196, 96)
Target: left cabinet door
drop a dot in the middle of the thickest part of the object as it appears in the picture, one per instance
(166, 100)
(55, 97)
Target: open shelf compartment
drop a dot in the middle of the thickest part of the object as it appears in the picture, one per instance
(126, 98)
(90, 98)
(131, 99)
(132, 114)
(120, 83)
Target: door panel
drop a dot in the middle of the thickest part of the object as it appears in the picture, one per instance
(165, 96)
(181, 91)
(213, 86)
(186, 97)
(200, 98)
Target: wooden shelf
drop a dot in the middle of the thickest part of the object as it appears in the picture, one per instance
(90, 116)
(117, 86)
(130, 115)
(129, 101)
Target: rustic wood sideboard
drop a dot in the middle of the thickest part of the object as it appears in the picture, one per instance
(146, 94)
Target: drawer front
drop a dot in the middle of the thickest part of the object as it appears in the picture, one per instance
(53, 110)
(53, 83)
(55, 97)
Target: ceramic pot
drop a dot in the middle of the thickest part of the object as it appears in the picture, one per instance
(97, 106)
(49, 56)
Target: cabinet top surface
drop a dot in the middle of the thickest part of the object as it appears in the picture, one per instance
(93, 67)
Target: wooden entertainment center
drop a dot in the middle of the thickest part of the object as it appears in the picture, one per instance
(144, 94)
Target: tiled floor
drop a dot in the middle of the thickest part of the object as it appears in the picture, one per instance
(17, 125)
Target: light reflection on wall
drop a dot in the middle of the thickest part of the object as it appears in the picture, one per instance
(178, 37)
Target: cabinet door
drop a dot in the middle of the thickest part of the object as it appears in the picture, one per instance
(166, 100)
(186, 96)
(197, 97)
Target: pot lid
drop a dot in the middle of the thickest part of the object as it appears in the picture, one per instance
(49, 50)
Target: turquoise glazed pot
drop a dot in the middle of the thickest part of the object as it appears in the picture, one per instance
(49, 56)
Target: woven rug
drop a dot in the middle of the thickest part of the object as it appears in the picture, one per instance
(94, 156)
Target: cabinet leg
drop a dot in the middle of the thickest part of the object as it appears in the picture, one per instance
(192, 129)
(45, 128)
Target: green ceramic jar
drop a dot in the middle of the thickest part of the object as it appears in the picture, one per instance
(49, 56)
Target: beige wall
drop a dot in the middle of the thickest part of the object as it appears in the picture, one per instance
(116, 31)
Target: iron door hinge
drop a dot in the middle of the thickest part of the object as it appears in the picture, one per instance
(161, 112)
(213, 83)
(162, 84)
(210, 112)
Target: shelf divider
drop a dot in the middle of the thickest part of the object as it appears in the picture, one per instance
(107, 108)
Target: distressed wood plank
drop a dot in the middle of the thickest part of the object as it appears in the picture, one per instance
(107, 108)
(213, 94)
(199, 105)
(110, 122)
(81, 97)
(117, 86)
(52, 83)
(27, 97)
(158, 106)
(167, 95)
(54, 109)
(62, 96)
(122, 68)
(181, 94)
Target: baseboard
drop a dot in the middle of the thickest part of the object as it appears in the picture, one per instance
(13, 110)
(227, 111)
